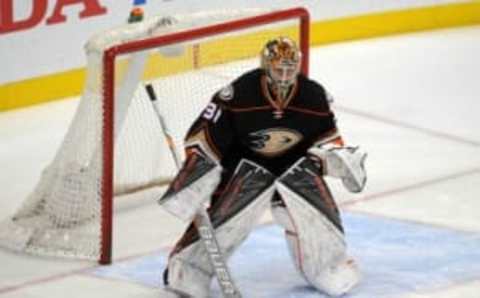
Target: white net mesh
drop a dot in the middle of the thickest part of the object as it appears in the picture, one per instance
(62, 216)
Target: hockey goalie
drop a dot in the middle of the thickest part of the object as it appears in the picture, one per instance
(267, 140)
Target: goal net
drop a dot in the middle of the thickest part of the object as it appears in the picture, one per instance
(116, 146)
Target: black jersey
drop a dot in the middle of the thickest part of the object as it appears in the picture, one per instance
(244, 121)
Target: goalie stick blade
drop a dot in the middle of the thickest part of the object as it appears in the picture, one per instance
(166, 292)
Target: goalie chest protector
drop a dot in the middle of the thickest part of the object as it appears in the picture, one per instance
(244, 121)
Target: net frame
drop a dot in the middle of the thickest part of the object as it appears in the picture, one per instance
(112, 53)
(65, 217)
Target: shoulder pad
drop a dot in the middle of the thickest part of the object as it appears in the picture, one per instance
(330, 98)
(226, 93)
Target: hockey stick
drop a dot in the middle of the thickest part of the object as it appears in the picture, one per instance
(202, 220)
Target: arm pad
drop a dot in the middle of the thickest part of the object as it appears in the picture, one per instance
(192, 187)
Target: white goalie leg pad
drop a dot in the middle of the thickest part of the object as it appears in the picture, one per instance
(188, 279)
(317, 245)
(234, 216)
(281, 216)
(347, 163)
(192, 187)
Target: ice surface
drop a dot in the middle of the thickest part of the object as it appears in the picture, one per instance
(412, 101)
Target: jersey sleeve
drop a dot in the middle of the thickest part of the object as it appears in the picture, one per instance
(213, 129)
(330, 134)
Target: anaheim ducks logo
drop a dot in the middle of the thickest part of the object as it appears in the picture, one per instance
(274, 141)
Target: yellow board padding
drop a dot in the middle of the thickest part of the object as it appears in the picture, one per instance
(41, 89)
(70, 83)
(155, 66)
(240, 46)
(395, 22)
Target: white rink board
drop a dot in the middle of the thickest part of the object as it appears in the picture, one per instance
(59, 47)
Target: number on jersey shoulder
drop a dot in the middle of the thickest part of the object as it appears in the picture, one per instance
(212, 112)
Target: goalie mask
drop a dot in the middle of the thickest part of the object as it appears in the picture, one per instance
(280, 58)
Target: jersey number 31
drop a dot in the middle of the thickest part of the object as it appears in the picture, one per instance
(212, 112)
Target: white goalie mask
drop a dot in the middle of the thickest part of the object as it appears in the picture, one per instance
(280, 58)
